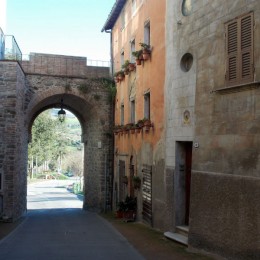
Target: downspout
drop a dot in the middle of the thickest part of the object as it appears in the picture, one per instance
(111, 53)
(113, 120)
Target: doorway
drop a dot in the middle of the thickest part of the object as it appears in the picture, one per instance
(182, 182)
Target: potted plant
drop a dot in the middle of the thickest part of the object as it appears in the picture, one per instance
(121, 208)
(125, 67)
(146, 50)
(147, 124)
(138, 56)
(131, 66)
(125, 179)
(131, 206)
(140, 123)
(120, 75)
(136, 182)
(117, 129)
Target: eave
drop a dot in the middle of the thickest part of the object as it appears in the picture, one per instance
(114, 14)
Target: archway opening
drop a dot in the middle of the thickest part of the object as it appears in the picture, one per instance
(55, 162)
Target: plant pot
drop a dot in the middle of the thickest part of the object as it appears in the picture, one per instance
(130, 214)
(131, 67)
(146, 54)
(132, 131)
(138, 130)
(138, 61)
(119, 214)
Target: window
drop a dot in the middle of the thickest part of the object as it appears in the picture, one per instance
(122, 58)
(132, 47)
(1, 182)
(133, 111)
(147, 105)
(133, 7)
(239, 50)
(122, 19)
(147, 33)
(122, 114)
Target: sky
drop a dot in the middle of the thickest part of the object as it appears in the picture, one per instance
(66, 27)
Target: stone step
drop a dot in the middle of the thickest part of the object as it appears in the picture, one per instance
(177, 237)
(183, 230)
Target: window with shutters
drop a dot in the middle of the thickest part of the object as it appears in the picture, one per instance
(239, 50)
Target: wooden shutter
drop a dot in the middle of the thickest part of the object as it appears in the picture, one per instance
(232, 52)
(239, 42)
(246, 24)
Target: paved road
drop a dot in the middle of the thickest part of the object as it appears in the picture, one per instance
(57, 229)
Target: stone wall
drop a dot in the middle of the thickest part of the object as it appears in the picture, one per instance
(27, 91)
(13, 140)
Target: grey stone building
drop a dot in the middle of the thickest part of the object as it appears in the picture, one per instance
(213, 125)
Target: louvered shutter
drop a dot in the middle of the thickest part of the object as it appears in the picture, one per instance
(246, 24)
(239, 47)
(232, 52)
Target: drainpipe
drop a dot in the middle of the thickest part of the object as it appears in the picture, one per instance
(111, 53)
(113, 119)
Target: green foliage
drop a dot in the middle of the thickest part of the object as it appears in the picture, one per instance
(48, 139)
(84, 88)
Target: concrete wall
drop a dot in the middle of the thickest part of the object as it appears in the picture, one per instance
(225, 217)
(224, 128)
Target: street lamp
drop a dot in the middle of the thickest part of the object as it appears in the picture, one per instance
(61, 113)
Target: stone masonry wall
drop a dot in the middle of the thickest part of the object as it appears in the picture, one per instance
(13, 140)
(26, 92)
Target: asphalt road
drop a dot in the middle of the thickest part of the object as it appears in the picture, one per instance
(56, 228)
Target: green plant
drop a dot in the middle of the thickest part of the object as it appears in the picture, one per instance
(125, 65)
(136, 182)
(145, 46)
(137, 54)
(84, 88)
(67, 87)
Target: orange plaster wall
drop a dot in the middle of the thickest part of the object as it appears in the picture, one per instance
(149, 76)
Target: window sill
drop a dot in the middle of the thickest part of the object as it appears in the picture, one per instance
(237, 88)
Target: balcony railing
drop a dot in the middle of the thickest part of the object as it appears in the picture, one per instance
(2, 44)
(9, 49)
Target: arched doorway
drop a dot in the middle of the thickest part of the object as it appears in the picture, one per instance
(86, 96)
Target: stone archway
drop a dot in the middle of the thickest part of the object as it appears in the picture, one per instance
(30, 93)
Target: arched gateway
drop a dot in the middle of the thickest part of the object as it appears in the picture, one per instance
(30, 87)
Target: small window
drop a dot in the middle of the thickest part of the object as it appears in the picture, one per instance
(239, 50)
(133, 7)
(147, 33)
(122, 19)
(147, 105)
(122, 58)
(1, 182)
(122, 114)
(186, 7)
(133, 111)
(132, 47)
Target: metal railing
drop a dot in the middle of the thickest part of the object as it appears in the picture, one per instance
(98, 63)
(2, 44)
(9, 49)
(12, 50)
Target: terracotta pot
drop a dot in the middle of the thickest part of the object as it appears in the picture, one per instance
(146, 54)
(138, 61)
(131, 66)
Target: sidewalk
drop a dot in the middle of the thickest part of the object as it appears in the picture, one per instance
(151, 243)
